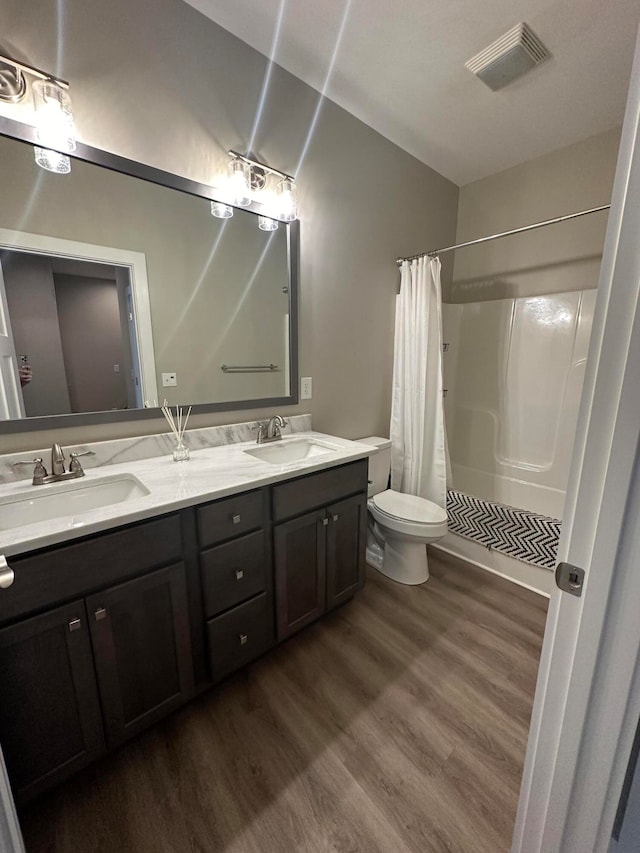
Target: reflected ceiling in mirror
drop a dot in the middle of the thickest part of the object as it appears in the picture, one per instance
(120, 291)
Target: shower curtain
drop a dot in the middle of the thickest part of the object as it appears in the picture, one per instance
(419, 454)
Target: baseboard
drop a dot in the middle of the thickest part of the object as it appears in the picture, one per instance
(529, 577)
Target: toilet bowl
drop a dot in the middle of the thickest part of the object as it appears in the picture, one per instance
(400, 526)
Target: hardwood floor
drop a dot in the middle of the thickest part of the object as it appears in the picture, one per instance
(396, 724)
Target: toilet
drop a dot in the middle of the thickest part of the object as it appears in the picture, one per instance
(400, 526)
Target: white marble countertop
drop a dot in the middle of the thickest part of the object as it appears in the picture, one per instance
(211, 473)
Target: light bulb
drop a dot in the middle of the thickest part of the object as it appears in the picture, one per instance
(286, 200)
(265, 223)
(221, 210)
(239, 186)
(54, 126)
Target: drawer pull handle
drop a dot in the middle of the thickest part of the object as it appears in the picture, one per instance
(243, 639)
(100, 614)
(335, 516)
(75, 625)
(7, 575)
(235, 519)
(239, 574)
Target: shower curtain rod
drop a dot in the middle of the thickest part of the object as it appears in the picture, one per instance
(433, 252)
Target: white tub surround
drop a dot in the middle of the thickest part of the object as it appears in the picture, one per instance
(514, 370)
(211, 473)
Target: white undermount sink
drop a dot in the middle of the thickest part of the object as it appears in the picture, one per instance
(296, 450)
(58, 500)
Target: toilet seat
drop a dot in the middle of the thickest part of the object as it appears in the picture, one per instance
(409, 508)
(412, 516)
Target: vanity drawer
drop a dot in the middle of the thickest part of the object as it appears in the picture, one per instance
(239, 636)
(304, 494)
(233, 572)
(58, 574)
(230, 517)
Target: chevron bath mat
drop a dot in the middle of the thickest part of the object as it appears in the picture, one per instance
(517, 533)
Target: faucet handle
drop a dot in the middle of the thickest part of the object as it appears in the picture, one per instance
(261, 428)
(39, 471)
(75, 466)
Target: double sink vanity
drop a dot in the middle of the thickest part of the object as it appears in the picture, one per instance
(126, 592)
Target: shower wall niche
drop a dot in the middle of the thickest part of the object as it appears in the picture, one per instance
(513, 371)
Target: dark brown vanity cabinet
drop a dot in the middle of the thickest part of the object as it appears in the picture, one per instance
(237, 580)
(101, 637)
(50, 722)
(319, 556)
(86, 675)
(142, 650)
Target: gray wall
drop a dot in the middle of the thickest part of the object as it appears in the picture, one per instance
(556, 259)
(34, 322)
(157, 82)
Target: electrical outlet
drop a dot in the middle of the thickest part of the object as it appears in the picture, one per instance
(169, 380)
(116, 368)
(305, 388)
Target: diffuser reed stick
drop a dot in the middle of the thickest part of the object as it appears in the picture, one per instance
(178, 425)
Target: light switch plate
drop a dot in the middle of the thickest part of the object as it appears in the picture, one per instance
(305, 388)
(169, 380)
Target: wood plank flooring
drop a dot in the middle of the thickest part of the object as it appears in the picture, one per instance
(397, 724)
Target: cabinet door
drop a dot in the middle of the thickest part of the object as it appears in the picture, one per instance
(50, 723)
(300, 557)
(142, 649)
(346, 543)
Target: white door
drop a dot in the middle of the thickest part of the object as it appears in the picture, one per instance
(11, 403)
(587, 700)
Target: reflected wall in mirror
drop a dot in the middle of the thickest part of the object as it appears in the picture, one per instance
(119, 292)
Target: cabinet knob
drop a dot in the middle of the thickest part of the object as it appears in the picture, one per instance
(7, 575)
(335, 516)
(100, 614)
(325, 521)
(235, 519)
(75, 625)
(239, 574)
(243, 639)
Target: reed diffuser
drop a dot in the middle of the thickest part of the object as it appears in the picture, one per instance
(178, 426)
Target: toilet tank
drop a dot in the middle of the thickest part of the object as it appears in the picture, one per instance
(379, 463)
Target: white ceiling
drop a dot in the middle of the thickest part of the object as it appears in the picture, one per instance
(398, 65)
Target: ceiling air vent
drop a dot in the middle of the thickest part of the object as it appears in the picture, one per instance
(510, 56)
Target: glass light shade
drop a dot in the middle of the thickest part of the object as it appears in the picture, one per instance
(265, 223)
(54, 126)
(239, 187)
(287, 202)
(221, 210)
(52, 161)
(54, 116)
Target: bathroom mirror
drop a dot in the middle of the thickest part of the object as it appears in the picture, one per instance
(119, 289)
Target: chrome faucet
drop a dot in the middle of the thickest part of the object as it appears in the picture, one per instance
(270, 430)
(40, 476)
(57, 460)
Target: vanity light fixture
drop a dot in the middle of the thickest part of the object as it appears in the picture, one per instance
(250, 181)
(55, 130)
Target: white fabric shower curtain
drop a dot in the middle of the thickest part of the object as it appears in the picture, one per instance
(419, 454)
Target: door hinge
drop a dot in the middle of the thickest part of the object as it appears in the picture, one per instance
(569, 578)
